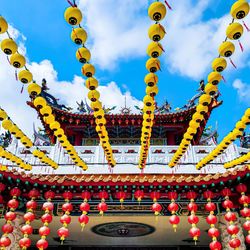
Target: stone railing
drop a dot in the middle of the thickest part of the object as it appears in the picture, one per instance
(127, 158)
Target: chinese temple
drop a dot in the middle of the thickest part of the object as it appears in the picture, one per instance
(99, 179)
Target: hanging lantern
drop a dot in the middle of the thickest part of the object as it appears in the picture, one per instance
(156, 208)
(73, 15)
(3, 25)
(121, 195)
(157, 11)
(42, 244)
(9, 46)
(17, 60)
(83, 219)
(63, 233)
(230, 217)
(102, 206)
(139, 195)
(195, 233)
(79, 35)
(5, 242)
(88, 70)
(239, 9)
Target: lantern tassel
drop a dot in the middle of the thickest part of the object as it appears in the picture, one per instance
(246, 26)
(166, 2)
(223, 78)
(22, 89)
(241, 46)
(231, 61)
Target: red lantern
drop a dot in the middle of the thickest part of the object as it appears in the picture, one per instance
(67, 207)
(10, 216)
(248, 239)
(232, 229)
(213, 232)
(15, 192)
(2, 187)
(229, 216)
(1, 199)
(227, 204)
(210, 207)
(33, 194)
(7, 228)
(172, 195)
(5, 241)
(102, 207)
(121, 196)
(195, 233)
(192, 207)
(65, 220)
(211, 219)
(49, 195)
(27, 229)
(173, 207)
(67, 196)
(44, 231)
(86, 195)
(139, 195)
(63, 233)
(193, 219)
(103, 195)
(46, 219)
(29, 217)
(155, 196)
(42, 244)
(24, 243)
(246, 225)
(245, 212)
(174, 221)
(215, 245)
(48, 207)
(191, 195)
(208, 195)
(85, 207)
(83, 219)
(13, 204)
(31, 205)
(156, 208)
(241, 188)
(244, 200)
(234, 243)
(226, 192)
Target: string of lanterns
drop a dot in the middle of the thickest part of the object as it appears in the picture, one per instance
(10, 126)
(84, 207)
(5, 154)
(173, 208)
(156, 12)
(239, 10)
(9, 47)
(237, 132)
(73, 16)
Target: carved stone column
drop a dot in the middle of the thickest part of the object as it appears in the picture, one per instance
(17, 234)
(226, 237)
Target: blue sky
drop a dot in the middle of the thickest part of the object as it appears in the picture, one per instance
(195, 28)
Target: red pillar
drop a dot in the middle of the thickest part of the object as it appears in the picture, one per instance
(78, 140)
(170, 138)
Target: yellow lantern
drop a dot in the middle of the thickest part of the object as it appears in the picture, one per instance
(101, 122)
(83, 55)
(46, 111)
(156, 32)
(148, 109)
(245, 120)
(96, 106)
(151, 79)
(3, 25)
(13, 129)
(73, 15)
(154, 49)
(234, 31)
(88, 70)
(153, 65)
(219, 64)
(17, 60)
(3, 114)
(211, 89)
(34, 89)
(214, 78)
(201, 109)
(54, 126)
(247, 113)
(91, 83)
(239, 9)
(25, 76)
(19, 135)
(99, 114)
(193, 124)
(237, 133)
(148, 100)
(59, 133)
(197, 117)
(205, 100)
(157, 11)
(7, 124)
(79, 35)
(152, 91)
(49, 119)
(39, 102)
(9, 46)
(226, 49)
(240, 125)
(191, 131)
(93, 95)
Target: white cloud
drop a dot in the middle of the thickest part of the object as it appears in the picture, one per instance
(119, 31)
(243, 90)
(68, 92)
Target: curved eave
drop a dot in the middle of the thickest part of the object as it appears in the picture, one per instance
(128, 179)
